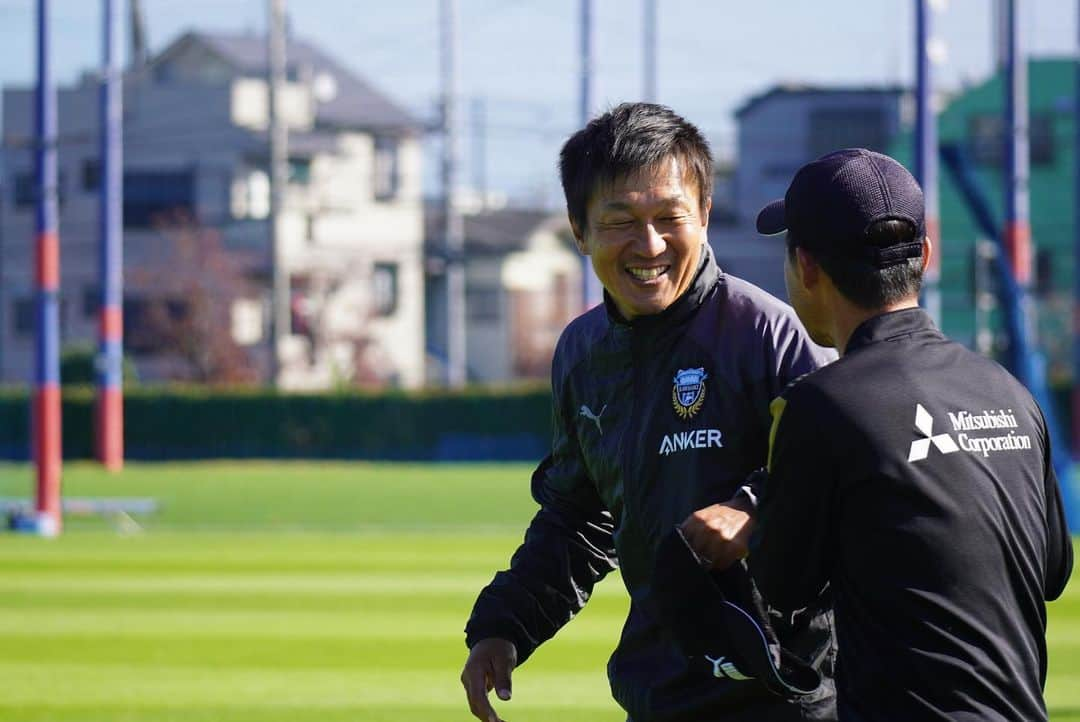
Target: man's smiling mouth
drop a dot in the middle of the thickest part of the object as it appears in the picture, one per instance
(647, 274)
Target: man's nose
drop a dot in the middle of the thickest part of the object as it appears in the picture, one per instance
(650, 242)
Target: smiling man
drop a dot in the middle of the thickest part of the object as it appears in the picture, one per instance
(661, 408)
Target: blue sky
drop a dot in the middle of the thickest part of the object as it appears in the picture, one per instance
(521, 55)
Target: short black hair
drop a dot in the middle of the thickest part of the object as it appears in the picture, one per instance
(860, 282)
(625, 140)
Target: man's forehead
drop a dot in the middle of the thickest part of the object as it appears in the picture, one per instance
(667, 179)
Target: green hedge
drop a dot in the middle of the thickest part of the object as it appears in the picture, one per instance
(210, 423)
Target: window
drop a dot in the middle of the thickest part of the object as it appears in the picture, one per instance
(91, 175)
(23, 316)
(148, 195)
(300, 171)
(25, 187)
(849, 127)
(482, 302)
(25, 190)
(247, 321)
(986, 139)
(385, 167)
(91, 299)
(251, 195)
(384, 288)
(1044, 272)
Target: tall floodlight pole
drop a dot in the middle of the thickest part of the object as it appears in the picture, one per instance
(1017, 200)
(279, 139)
(926, 163)
(590, 284)
(46, 405)
(110, 396)
(649, 21)
(1076, 245)
(453, 228)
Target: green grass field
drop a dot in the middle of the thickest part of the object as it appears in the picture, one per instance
(269, 592)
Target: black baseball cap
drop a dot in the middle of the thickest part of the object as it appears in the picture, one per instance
(720, 622)
(833, 201)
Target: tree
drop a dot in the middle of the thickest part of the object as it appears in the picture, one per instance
(181, 308)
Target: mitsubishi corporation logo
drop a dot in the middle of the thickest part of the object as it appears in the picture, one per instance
(1011, 438)
(920, 448)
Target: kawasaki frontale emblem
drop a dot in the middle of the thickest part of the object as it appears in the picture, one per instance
(688, 393)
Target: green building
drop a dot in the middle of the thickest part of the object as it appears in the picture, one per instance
(974, 119)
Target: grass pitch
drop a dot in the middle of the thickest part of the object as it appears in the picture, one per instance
(269, 592)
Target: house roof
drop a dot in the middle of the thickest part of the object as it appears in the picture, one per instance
(789, 89)
(495, 232)
(356, 104)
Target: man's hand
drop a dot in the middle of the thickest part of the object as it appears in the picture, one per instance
(720, 534)
(488, 667)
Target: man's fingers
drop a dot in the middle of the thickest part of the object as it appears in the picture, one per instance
(488, 667)
(475, 680)
(501, 671)
(718, 534)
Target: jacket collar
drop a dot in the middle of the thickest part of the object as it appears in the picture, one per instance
(707, 276)
(889, 326)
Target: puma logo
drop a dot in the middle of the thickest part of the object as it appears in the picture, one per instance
(588, 414)
(722, 668)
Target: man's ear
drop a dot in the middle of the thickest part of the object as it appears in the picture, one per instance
(807, 269)
(706, 209)
(579, 238)
(927, 253)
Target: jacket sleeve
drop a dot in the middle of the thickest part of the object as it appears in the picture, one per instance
(789, 551)
(568, 547)
(1059, 556)
(789, 355)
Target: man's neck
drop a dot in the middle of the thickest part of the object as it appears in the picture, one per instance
(847, 317)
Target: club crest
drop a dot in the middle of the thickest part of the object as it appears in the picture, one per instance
(688, 392)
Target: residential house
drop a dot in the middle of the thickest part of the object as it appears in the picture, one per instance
(778, 131)
(522, 287)
(196, 166)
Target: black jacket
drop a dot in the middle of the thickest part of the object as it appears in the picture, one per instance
(634, 453)
(915, 477)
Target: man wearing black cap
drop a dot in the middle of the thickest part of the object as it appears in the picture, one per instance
(911, 478)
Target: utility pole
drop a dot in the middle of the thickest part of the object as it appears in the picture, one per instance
(926, 159)
(109, 415)
(1000, 33)
(279, 139)
(46, 409)
(453, 227)
(479, 148)
(1017, 199)
(139, 41)
(649, 22)
(591, 293)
